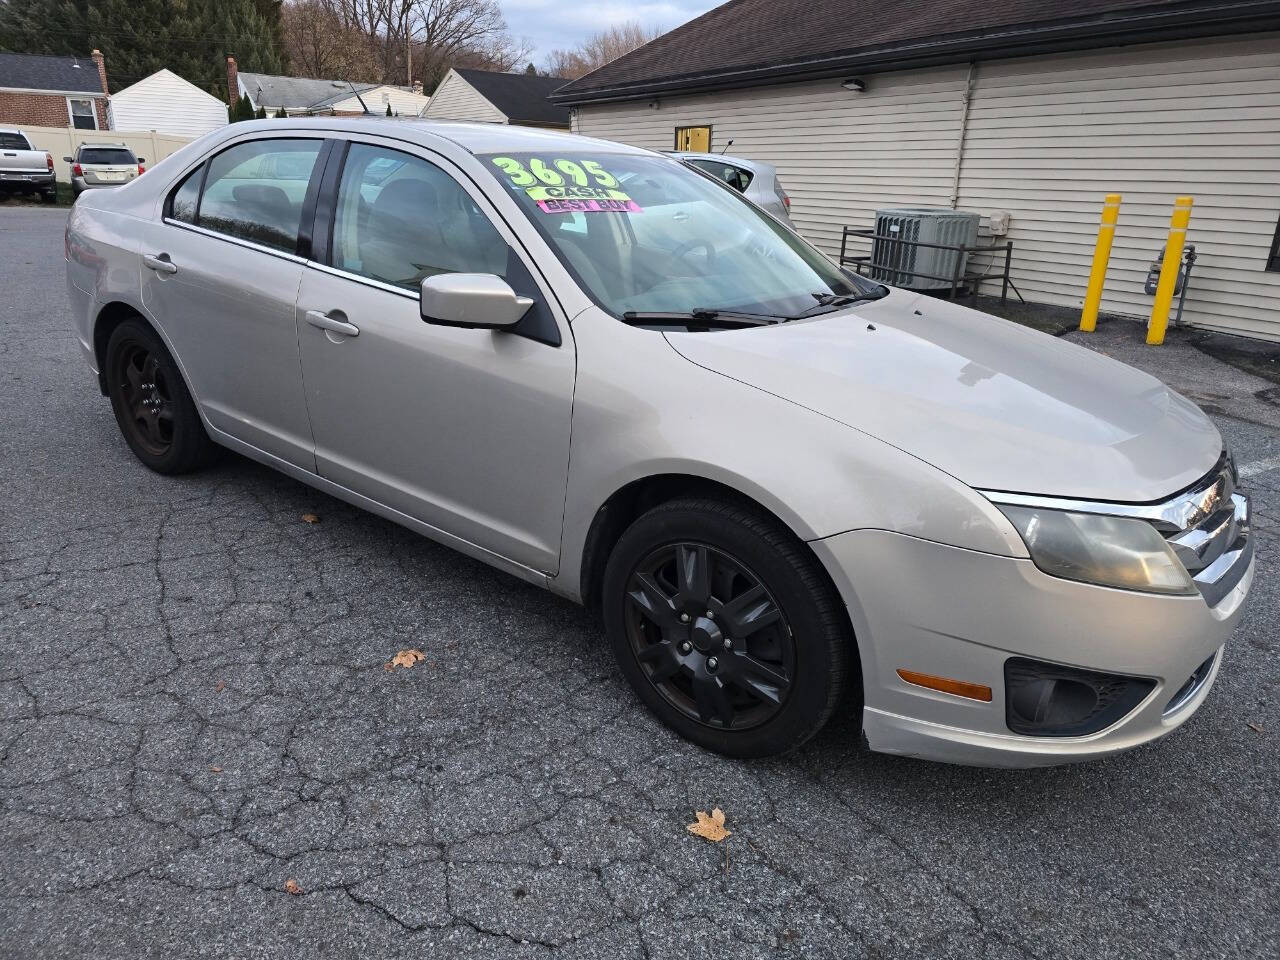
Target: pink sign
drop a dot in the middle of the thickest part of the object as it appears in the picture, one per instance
(589, 206)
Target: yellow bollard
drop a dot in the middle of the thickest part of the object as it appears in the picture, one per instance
(1101, 254)
(1169, 270)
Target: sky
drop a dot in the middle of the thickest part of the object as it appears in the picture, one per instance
(556, 24)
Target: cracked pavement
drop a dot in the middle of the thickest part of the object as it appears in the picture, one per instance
(194, 710)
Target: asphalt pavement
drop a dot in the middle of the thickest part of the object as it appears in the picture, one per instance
(203, 753)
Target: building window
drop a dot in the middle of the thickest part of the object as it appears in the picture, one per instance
(694, 139)
(1273, 258)
(82, 113)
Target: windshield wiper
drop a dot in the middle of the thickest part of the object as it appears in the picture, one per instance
(827, 302)
(707, 317)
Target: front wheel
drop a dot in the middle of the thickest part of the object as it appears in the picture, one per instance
(726, 627)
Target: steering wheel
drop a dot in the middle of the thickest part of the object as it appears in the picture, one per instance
(687, 247)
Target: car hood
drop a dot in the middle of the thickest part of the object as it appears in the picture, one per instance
(994, 404)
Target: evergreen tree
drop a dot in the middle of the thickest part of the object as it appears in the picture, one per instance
(282, 114)
(243, 109)
(388, 109)
(261, 114)
(138, 37)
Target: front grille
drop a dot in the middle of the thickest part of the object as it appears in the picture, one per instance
(1208, 529)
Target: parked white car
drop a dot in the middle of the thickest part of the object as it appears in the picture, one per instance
(787, 489)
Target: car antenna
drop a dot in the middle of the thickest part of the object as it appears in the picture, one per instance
(726, 147)
(367, 111)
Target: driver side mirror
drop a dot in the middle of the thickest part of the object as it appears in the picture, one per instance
(68, 160)
(475, 300)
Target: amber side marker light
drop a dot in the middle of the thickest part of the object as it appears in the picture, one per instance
(959, 688)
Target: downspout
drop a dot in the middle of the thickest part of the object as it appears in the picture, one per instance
(964, 131)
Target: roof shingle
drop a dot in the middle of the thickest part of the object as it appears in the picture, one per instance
(521, 96)
(29, 71)
(759, 41)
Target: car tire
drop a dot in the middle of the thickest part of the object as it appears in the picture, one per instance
(717, 612)
(152, 404)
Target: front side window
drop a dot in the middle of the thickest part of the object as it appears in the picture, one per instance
(401, 219)
(647, 234)
(83, 116)
(107, 155)
(255, 191)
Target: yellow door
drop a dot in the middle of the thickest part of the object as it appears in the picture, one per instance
(695, 139)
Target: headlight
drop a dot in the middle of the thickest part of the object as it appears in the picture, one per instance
(1111, 551)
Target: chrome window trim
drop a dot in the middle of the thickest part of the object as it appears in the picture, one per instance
(247, 244)
(361, 279)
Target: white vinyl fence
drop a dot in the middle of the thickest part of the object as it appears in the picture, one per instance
(62, 142)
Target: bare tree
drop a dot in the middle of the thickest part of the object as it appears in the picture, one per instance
(395, 41)
(598, 49)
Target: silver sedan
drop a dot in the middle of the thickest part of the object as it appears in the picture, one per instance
(786, 490)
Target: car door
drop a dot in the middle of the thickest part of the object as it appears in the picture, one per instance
(220, 274)
(466, 430)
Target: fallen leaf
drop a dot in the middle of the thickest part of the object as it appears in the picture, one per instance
(310, 518)
(709, 827)
(406, 659)
(216, 769)
(220, 687)
(1256, 727)
(291, 886)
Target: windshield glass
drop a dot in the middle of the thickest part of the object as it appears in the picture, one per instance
(646, 234)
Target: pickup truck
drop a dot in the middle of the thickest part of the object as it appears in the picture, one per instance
(24, 170)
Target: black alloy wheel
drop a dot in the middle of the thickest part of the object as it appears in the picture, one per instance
(146, 397)
(727, 627)
(709, 636)
(151, 402)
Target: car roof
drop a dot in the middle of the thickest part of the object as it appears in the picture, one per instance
(758, 167)
(477, 138)
(113, 146)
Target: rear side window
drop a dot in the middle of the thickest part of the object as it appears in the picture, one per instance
(255, 191)
(13, 141)
(187, 197)
(107, 155)
(401, 219)
(736, 177)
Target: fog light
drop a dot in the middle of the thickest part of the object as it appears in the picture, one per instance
(1048, 700)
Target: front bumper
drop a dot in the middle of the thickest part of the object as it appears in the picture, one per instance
(950, 612)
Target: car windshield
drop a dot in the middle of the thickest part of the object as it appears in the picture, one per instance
(106, 155)
(645, 234)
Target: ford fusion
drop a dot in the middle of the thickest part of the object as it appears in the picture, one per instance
(785, 489)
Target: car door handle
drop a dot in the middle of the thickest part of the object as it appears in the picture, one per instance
(160, 263)
(333, 324)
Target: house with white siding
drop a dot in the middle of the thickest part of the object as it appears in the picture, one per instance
(166, 103)
(487, 96)
(1033, 109)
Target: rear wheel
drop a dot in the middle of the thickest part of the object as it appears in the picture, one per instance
(151, 402)
(726, 627)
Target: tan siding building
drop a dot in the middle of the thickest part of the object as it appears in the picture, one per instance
(455, 99)
(1041, 137)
